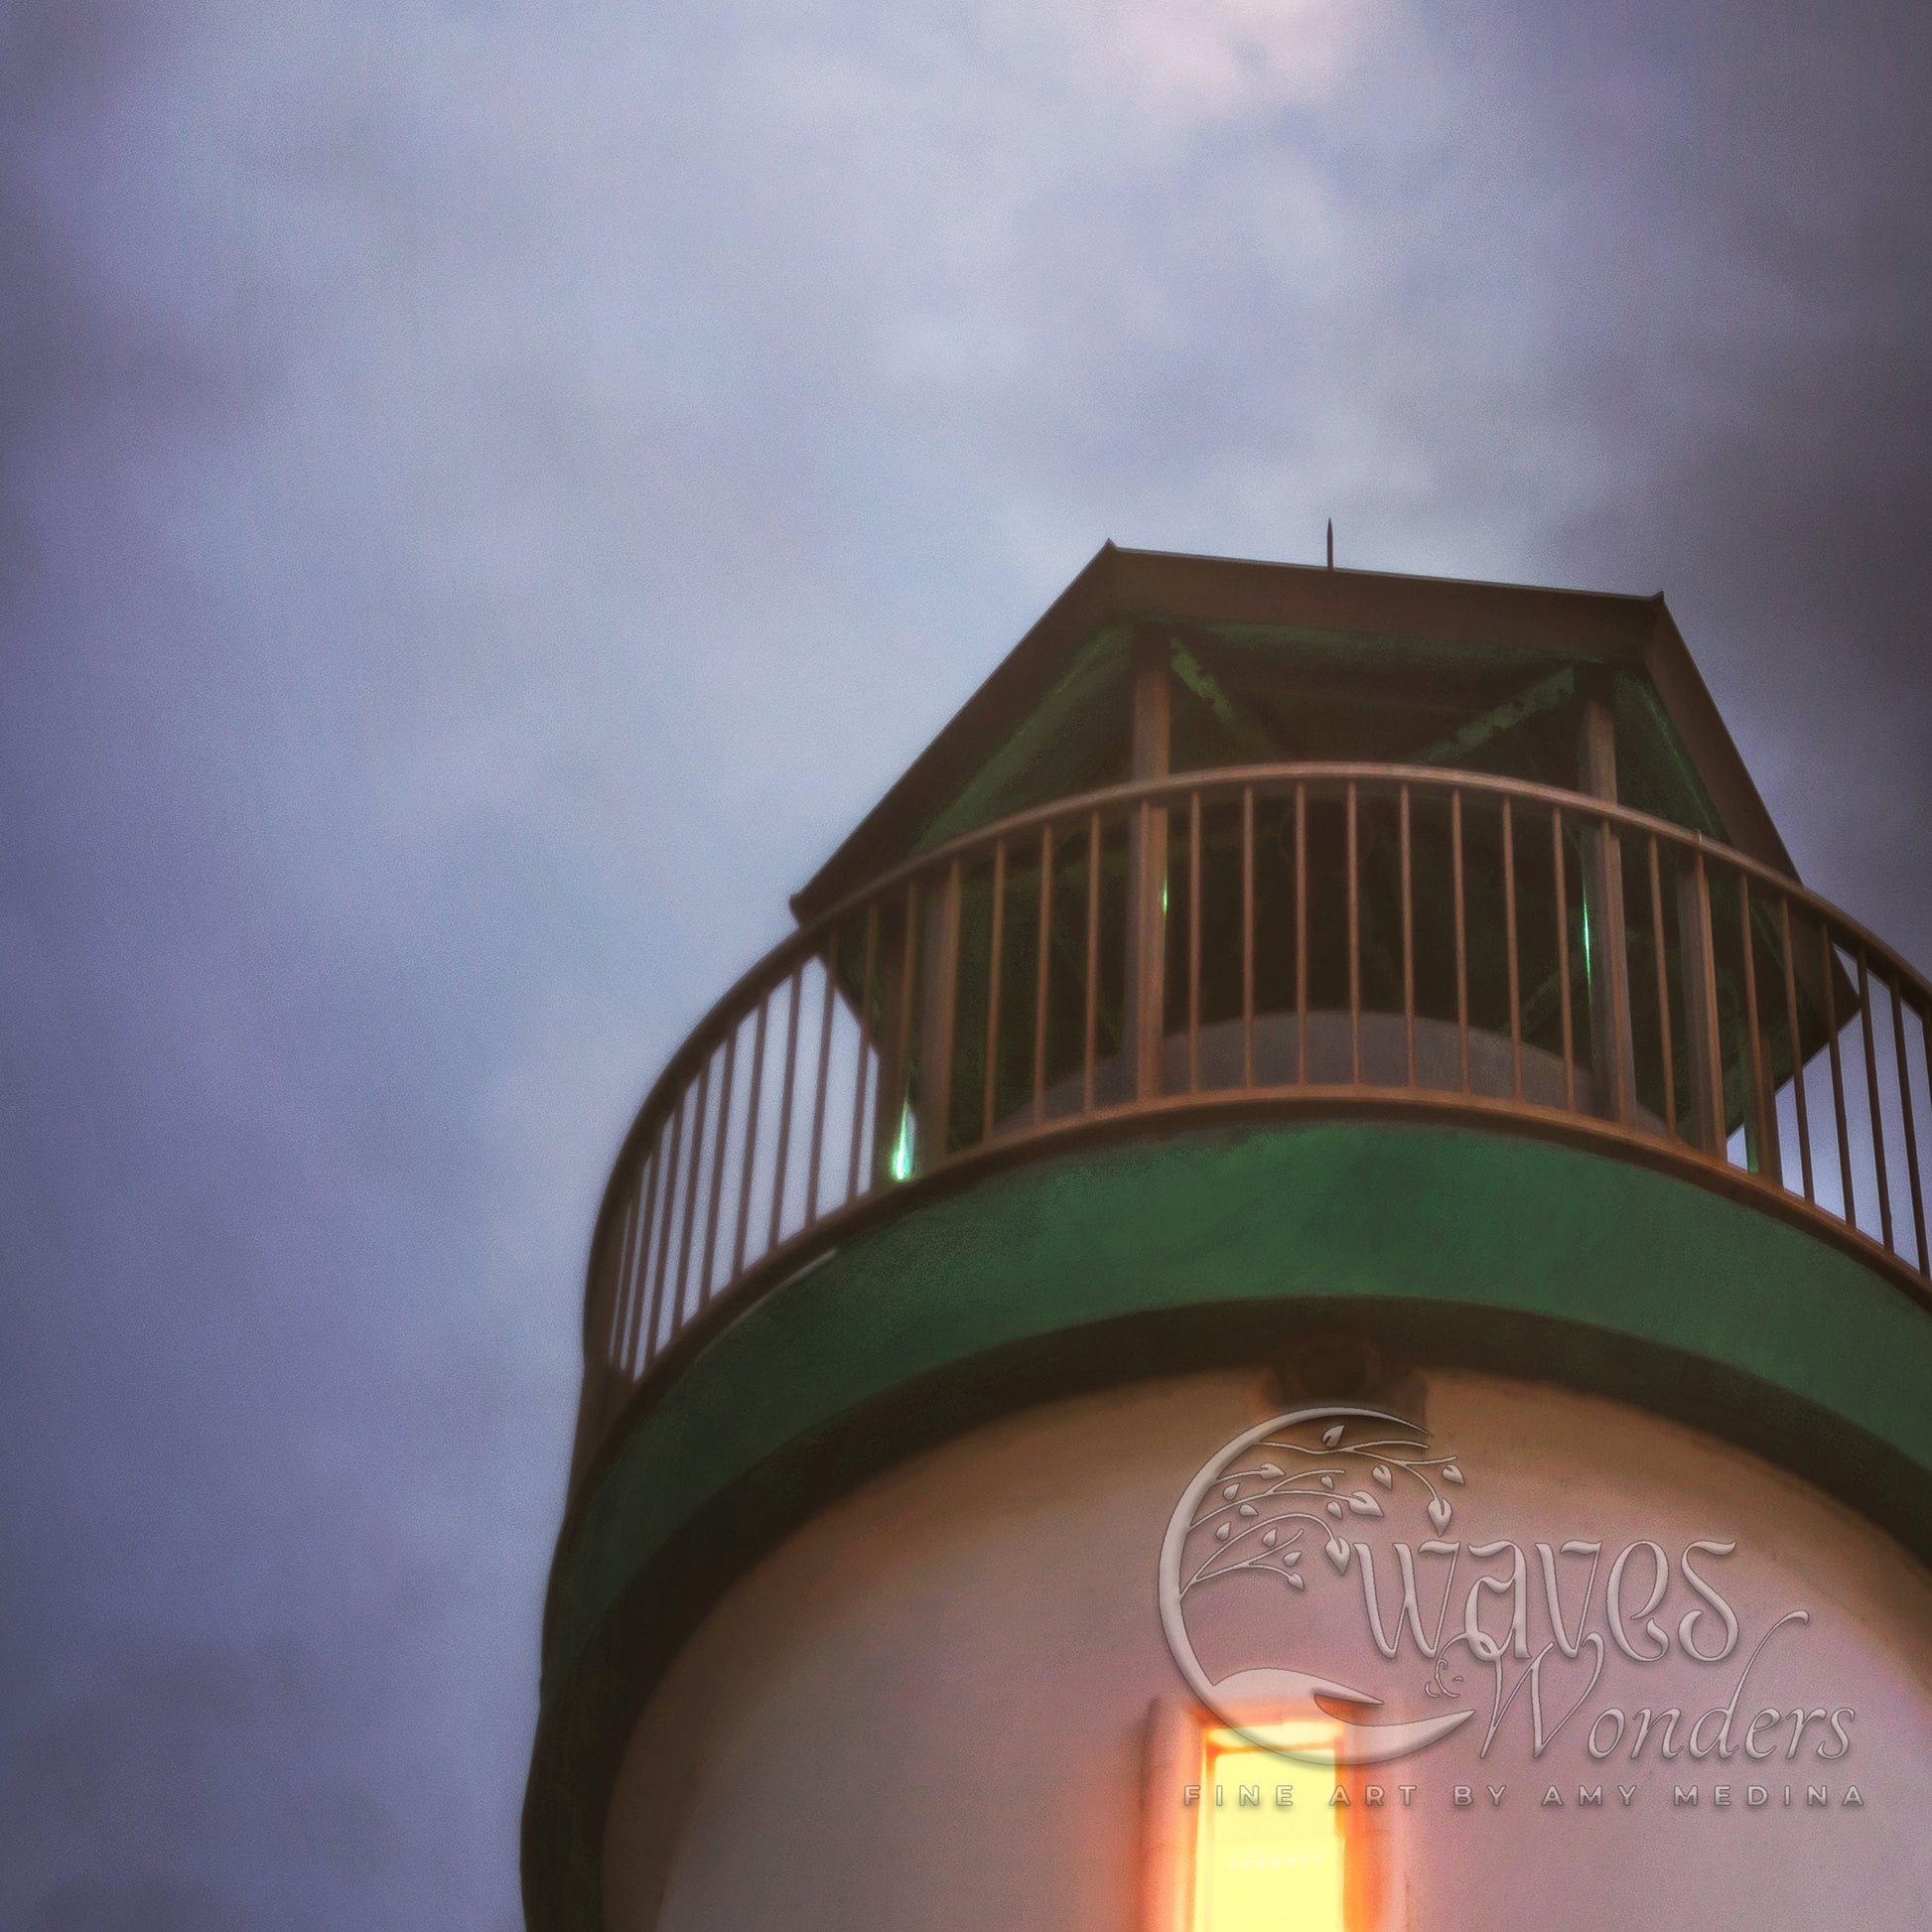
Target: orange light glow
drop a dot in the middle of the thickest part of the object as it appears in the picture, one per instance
(1262, 1864)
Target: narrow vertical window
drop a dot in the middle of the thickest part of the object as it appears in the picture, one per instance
(1270, 1845)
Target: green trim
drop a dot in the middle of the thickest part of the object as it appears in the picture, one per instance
(1501, 1251)
(1059, 747)
(1545, 694)
(1655, 772)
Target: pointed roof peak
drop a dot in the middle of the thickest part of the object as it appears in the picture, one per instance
(1329, 608)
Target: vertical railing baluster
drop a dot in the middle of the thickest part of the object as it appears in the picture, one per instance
(1562, 961)
(1797, 1046)
(1623, 1052)
(1839, 1114)
(1148, 949)
(859, 1084)
(1509, 945)
(1093, 962)
(644, 1239)
(636, 1342)
(1408, 948)
(1355, 950)
(940, 1015)
(1301, 933)
(787, 1088)
(1247, 936)
(1667, 1046)
(822, 1084)
(903, 1119)
(659, 1331)
(747, 1160)
(607, 1306)
(1462, 938)
(604, 1297)
(1878, 1162)
(604, 1386)
(1041, 966)
(616, 1324)
(1707, 1035)
(658, 1335)
(1897, 993)
(1925, 1044)
(1763, 1152)
(993, 950)
(690, 1218)
(718, 1163)
(1193, 943)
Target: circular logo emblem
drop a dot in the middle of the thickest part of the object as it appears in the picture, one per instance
(1264, 1503)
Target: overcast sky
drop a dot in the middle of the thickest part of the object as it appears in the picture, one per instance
(490, 492)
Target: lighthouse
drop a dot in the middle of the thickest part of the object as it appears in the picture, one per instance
(1301, 1300)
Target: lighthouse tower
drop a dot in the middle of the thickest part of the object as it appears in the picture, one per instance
(1301, 1300)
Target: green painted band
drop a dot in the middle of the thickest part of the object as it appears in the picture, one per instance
(1467, 1246)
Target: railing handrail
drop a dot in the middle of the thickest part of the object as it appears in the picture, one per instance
(1194, 790)
(799, 944)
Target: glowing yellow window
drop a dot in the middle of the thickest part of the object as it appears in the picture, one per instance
(1262, 1864)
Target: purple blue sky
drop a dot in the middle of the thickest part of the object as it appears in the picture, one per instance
(490, 492)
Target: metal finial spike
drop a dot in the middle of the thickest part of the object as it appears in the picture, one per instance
(1332, 543)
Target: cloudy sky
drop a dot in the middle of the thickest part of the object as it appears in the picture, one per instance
(490, 492)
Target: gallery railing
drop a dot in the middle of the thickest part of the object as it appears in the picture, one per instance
(1316, 937)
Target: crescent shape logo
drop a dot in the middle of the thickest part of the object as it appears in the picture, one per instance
(1243, 1533)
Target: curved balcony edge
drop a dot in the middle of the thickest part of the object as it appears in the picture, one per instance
(1264, 944)
(1055, 1275)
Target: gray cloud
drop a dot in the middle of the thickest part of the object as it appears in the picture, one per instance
(486, 497)
(1753, 360)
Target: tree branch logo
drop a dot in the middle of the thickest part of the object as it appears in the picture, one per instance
(1324, 1492)
(1259, 1504)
